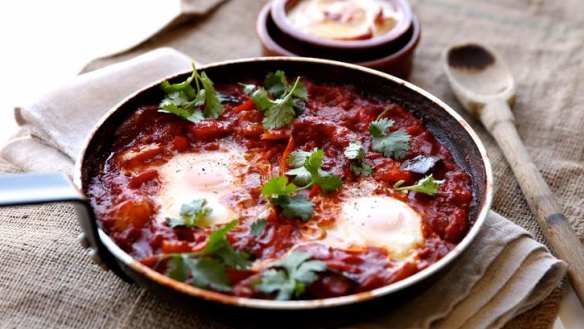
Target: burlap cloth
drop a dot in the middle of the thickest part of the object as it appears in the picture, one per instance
(542, 42)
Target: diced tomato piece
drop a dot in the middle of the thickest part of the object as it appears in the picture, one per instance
(142, 178)
(457, 226)
(138, 157)
(132, 213)
(210, 129)
(392, 175)
(248, 105)
(252, 130)
(150, 261)
(180, 144)
(173, 246)
(284, 160)
(405, 271)
(331, 286)
(414, 130)
(276, 134)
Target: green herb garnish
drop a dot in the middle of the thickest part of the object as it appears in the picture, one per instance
(393, 145)
(294, 274)
(191, 214)
(279, 191)
(208, 268)
(356, 153)
(186, 101)
(308, 171)
(279, 109)
(427, 185)
(258, 227)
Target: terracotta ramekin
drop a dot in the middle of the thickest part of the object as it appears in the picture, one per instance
(394, 56)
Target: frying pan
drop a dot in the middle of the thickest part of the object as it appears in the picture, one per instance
(444, 123)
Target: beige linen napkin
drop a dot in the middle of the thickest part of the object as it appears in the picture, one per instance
(504, 272)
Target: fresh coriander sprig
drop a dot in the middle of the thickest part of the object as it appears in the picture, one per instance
(307, 171)
(279, 191)
(294, 273)
(356, 153)
(185, 100)
(191, 214)
(257, 227)
(279, 109)
(208, 268)
(427, 185)
(392, 145)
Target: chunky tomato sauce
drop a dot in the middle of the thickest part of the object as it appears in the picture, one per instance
(124, 194)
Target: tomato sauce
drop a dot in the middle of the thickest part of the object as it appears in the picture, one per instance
(124, 193)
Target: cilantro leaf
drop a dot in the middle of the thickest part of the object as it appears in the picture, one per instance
(277, 85)
(213, 107)
(219, 246)
(279, 191)
(302, 176)
(427, 185)
(393, 145)
(258, 227)
(295, 206)
(294, 273)
(261, 99)
(177, 269)
(278, 101)
(208, 268)
(329, 182)
(201, 272)
(185, 100)
(378, 127)
(247, 88)
(297, 158)
(280, 114)
(309, 172)
(361, 169)
(208, 273)
(190, 214)
(278, 186)
(356, 153)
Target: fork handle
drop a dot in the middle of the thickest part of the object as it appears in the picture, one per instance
(498, 119)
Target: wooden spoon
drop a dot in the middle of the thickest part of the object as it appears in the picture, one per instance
(483, 84)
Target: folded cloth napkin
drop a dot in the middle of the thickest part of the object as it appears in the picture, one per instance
(503, 273)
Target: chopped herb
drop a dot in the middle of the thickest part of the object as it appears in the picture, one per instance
(258, 227)
(356, 153)
(219, 247)
(294, 273)
(278, 186)
(278, 86)
(200, 272)
(208, 268)
(190, 214)
(185, 100)
(427, 185)
(279, 191)
(280, 108)
(308, 171)
(295, 206)
(393, 145)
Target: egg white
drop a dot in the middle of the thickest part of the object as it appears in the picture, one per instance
(209, 175)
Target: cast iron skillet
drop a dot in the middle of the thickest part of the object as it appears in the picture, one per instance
(444, 123)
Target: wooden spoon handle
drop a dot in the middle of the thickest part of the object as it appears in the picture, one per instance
(564, 242)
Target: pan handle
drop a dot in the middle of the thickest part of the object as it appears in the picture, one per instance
(30, 189)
